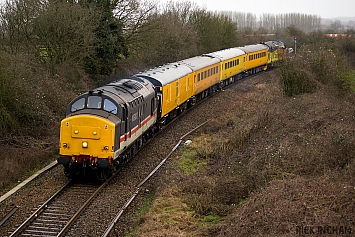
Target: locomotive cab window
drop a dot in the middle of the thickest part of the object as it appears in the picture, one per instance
(110, 107)
(94, 102)
(78, 105)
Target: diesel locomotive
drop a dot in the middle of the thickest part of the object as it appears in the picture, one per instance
(106, 126)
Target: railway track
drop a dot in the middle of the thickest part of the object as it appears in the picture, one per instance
(55, 216)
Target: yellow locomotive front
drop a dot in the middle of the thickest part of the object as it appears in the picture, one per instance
(87, 140)
(87, 135)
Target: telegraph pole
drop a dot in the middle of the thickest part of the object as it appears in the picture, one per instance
(295, 38)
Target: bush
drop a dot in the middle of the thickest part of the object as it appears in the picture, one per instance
(313, 67)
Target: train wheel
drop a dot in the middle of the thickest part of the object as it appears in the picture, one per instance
(103, 174)
(68, 172)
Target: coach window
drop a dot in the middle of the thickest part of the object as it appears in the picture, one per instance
(198, 77)
(216, 69)
(94, 102)
(78, 105)
(110, 107)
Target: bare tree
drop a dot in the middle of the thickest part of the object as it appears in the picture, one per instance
(16, 23)
(336, 26)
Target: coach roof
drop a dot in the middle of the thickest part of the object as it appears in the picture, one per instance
(253, 48)
(163, 75)
(226, 54)
(199, 62)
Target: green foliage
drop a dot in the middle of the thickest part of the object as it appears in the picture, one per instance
(295, 80)
(21, 105)
(209, 220)
(349, 79)
(190, 163)
(109, 43)
(319, 63)
(145, 206)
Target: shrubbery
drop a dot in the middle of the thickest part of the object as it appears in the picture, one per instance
(321, 63)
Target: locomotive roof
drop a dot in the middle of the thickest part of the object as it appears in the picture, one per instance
(124, 90)
(226, 54)
(253, 48)
(274, 44)
(199, 62)
(165, 74)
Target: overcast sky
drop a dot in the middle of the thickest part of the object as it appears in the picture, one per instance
(322, 8)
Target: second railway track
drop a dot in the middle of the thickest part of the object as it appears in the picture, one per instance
(55, 216)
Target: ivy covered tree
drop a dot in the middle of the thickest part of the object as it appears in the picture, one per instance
(109, 45)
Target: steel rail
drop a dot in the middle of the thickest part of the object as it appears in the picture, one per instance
(9, 215)
(82, 208)
(40, 209)
(139, 186)
(23, 226)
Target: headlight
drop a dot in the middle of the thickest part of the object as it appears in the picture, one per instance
(85, 144)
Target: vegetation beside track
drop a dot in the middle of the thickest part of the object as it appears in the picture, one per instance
(268, 164)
